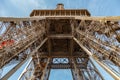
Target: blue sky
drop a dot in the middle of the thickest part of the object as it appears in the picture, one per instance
(22, 8)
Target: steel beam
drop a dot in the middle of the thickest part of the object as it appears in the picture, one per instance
(26, 70)
(77, 73)
(109, 18)
(116, 77)
(16, 19)
(11, 72)
(45, 69)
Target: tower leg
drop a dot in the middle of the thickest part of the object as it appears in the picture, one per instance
(45, 70)
(75, 71)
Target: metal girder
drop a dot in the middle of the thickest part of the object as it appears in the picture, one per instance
(21, 19)
(28, 69)
(45, 69)
(15, 54)
(96, 70)
(73, 74)
(47, 74)
(61, 36)
(11, 72)
(65, 66)
(77, 72)
(20, 64)
(62, 55)
(109, 18)
(98, 42)
(97, 45)
(100, 63)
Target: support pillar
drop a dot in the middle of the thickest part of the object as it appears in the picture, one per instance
(76, 72)
(45, 70)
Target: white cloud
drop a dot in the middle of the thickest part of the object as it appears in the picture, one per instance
(20, 7)
(29, 3)
(23, 8)
(104, 7)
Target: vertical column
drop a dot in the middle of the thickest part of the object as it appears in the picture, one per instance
(48, 70)
(72, 26)
(47, 74)
(75, 71)
(49, 43)
(49, 46)
(72, 33)
(73, 74)
(45, 70)
(71, 47)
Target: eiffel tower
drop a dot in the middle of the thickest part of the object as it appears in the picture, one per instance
(60, 39)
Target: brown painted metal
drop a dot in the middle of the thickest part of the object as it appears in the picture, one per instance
(61, 39)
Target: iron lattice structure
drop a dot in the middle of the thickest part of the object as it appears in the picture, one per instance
(61, 39)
